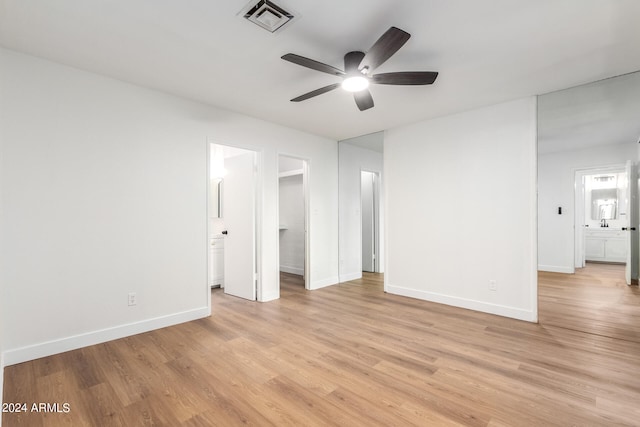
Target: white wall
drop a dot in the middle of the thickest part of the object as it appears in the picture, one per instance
(291, 200)
(556, 178)
(353, 160)
(104, 193)
(461, 209)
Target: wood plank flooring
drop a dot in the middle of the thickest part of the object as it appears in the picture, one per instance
(351, 355)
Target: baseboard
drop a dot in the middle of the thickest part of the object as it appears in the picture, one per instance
(292, 270)
(318, 284)
(556, 269)
(217, 282)
(48, 348)
(350, 276)
(500, 310)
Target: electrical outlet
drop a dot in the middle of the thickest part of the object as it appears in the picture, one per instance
(492, 285)
(133, 298)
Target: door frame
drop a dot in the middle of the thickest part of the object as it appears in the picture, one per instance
(306, 196)
(631, 269)
(578, 208)
(378, 265)
(258, 211)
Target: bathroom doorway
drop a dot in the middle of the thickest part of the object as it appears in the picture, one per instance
(293, 213)
(606, 209)
(232, 220)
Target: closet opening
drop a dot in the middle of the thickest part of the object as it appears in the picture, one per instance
(293, 220)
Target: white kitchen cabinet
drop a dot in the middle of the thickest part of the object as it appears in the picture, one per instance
(605, 245)
(216, 262)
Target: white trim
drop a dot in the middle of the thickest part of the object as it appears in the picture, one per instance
(385, 190)
(500, 310)
(594, 170)
(324, 283)
(532, 316)
(578, 220)
(292, 270)
(258, 212)
(208, 219)
(556, 269)
(257, 222)
(350, 276)
(295, 172)
(306, 188)
(48, 348)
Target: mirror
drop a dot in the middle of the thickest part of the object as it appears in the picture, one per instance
(604, 204)
(588, 131)
(361, 203)
(215, 198)
(605, 195)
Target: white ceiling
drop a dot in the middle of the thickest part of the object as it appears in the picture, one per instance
(486, 51)
(372, 141)
(599, 113)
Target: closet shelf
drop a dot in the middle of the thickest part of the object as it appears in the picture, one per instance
(290, 173)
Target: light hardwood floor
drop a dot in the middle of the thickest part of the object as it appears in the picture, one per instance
(352, 355)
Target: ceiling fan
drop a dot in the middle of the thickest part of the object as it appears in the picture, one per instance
(358, 67)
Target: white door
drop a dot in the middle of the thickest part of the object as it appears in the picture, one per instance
(239, 222)
(580, 220)
(631, 270)
(368, 221)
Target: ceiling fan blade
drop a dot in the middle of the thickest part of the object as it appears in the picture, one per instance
(352, 61)
(316, 92)
(384, 48)
(405, 78)
(364, 100)
(314, 65)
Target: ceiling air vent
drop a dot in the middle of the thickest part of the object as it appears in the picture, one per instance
(266, 14)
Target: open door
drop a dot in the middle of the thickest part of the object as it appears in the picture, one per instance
(239, 220)
(631, 269)
(579, 221)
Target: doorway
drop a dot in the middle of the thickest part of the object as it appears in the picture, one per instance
(370, 221)
(293, 213)
(232, 220)
(606, 209)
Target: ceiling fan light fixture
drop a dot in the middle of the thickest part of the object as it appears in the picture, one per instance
(358, 67)
(355, 83)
